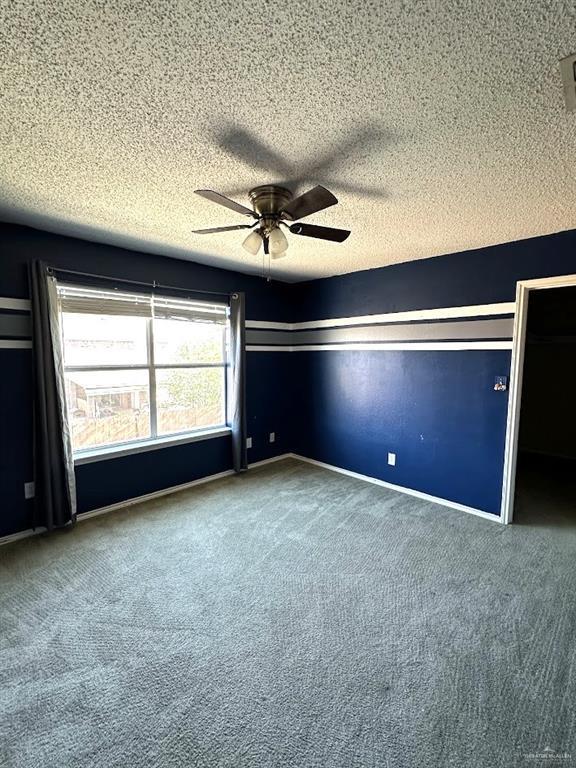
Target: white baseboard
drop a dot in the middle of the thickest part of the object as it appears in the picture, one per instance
(21, 535)
(172, 489)
(153, 495)
(401, 489)
(261, 463)
(140, 499)
(200, 481)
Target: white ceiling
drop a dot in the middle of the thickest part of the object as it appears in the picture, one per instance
(445, 121)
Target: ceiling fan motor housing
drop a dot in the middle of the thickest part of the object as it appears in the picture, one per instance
(269, 199)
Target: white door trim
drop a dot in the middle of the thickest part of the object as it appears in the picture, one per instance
(523, 288)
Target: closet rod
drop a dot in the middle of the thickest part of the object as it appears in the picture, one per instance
(153, 285)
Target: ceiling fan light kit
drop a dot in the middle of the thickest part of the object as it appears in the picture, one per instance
(278, 242)
(272, 207)
(252, 243)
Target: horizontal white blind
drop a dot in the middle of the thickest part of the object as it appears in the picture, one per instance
(94, 301)
(166, 308)
(97, 301)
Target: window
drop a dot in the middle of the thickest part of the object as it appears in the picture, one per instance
(141, 367)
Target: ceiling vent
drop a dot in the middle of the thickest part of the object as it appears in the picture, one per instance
(568, 70)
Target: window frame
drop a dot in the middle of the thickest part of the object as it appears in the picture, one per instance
(155, 440)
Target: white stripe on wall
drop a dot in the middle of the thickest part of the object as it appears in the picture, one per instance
(442, 313)
(15, 344)
(414, 346)
(265, 325)
(400, 346)
(21, 304)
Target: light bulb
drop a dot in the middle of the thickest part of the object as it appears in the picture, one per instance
(252, 243)
(278, 243)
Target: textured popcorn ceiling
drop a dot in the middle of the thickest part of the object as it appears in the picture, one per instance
(450, 115)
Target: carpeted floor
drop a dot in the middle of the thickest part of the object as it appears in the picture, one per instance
(295, 618)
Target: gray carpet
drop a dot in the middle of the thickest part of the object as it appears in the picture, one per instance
(290, 617)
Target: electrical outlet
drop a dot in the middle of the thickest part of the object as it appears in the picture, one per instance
(272, 437)
(392, 459)
(248, 442)
(29, 490)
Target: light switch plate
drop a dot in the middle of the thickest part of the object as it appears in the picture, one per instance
(392, 459)
(500, 383)
(272, 437)
(248, 442)
(29, 490)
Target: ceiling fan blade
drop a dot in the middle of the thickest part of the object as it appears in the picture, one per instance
(316, 199)
(216, 197)
(213, 230)
(323, 233)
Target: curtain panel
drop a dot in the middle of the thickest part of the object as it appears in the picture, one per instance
(237, 416)
(55, 487)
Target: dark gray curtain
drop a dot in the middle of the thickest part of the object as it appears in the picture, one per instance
(55, 489)
(237, 400)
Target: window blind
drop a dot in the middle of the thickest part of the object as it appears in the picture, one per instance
(97, 301)
(94, 301)
(167, 308)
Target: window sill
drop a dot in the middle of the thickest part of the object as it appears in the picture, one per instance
(127, 449)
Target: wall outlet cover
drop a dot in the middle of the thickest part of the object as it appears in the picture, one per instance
(248, 442)
(29, 490)
(272, 437)
(392, 459)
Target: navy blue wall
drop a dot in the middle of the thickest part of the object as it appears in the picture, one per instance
(269, 401)
(114, 480)
(15, 438)
(436, 410)
(108, 482)
(483, 276)
(19, 245)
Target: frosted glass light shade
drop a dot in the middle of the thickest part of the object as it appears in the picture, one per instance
(278, 243)
(252, 243)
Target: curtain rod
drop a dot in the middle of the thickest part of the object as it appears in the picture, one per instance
(154, 284)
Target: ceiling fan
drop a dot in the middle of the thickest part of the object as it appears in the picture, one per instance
(273, 207)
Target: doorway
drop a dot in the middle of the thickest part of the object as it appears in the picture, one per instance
(540, 459)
